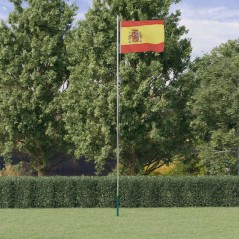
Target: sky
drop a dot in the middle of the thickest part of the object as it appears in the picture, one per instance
(210, 22)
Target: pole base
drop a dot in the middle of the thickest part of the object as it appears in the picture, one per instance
(117, 205)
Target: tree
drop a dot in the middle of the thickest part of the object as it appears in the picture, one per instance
(33, 67)
(153, 125)
(215, 108)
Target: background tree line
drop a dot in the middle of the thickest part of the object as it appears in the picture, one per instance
(58, 92)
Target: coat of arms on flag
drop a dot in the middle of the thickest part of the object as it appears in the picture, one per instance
(135, 36)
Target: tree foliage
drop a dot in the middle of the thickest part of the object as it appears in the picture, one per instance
(39, 54)
(154, 126)
(215, 109)
(33, 67)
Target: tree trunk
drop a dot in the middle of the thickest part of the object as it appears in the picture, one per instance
(41, 172)
(132, 168)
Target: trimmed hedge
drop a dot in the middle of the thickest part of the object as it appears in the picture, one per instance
(54, 192)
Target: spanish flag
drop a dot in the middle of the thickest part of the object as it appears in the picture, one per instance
(142, 36)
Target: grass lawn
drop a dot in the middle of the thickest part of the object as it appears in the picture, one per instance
(150, 223)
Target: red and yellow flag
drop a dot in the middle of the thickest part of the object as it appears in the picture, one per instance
(142, 36)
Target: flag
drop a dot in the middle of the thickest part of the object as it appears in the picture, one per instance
(142, 36)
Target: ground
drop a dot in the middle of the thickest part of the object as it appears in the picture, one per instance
(140, 223)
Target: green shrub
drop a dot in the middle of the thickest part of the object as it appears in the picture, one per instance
(53, 192)
(44, 193)
(24, 190)
(7, 192)
(86, 192)
(106, 192)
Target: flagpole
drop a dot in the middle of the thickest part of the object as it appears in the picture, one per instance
(118, 121)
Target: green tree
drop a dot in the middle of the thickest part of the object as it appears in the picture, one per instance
(215, 109)
(153, 123)
(33, 67)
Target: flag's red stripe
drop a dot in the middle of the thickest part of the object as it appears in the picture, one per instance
(140, 23)
(142, 47)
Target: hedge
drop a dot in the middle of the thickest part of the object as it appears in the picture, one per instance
(140, 191)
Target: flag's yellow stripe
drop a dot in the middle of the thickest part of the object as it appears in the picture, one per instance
(150, 34)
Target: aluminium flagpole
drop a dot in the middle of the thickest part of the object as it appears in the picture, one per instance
(118, 121)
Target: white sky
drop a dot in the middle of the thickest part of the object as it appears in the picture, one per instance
(210, 23)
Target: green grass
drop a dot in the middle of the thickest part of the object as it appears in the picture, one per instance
(153, 223)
